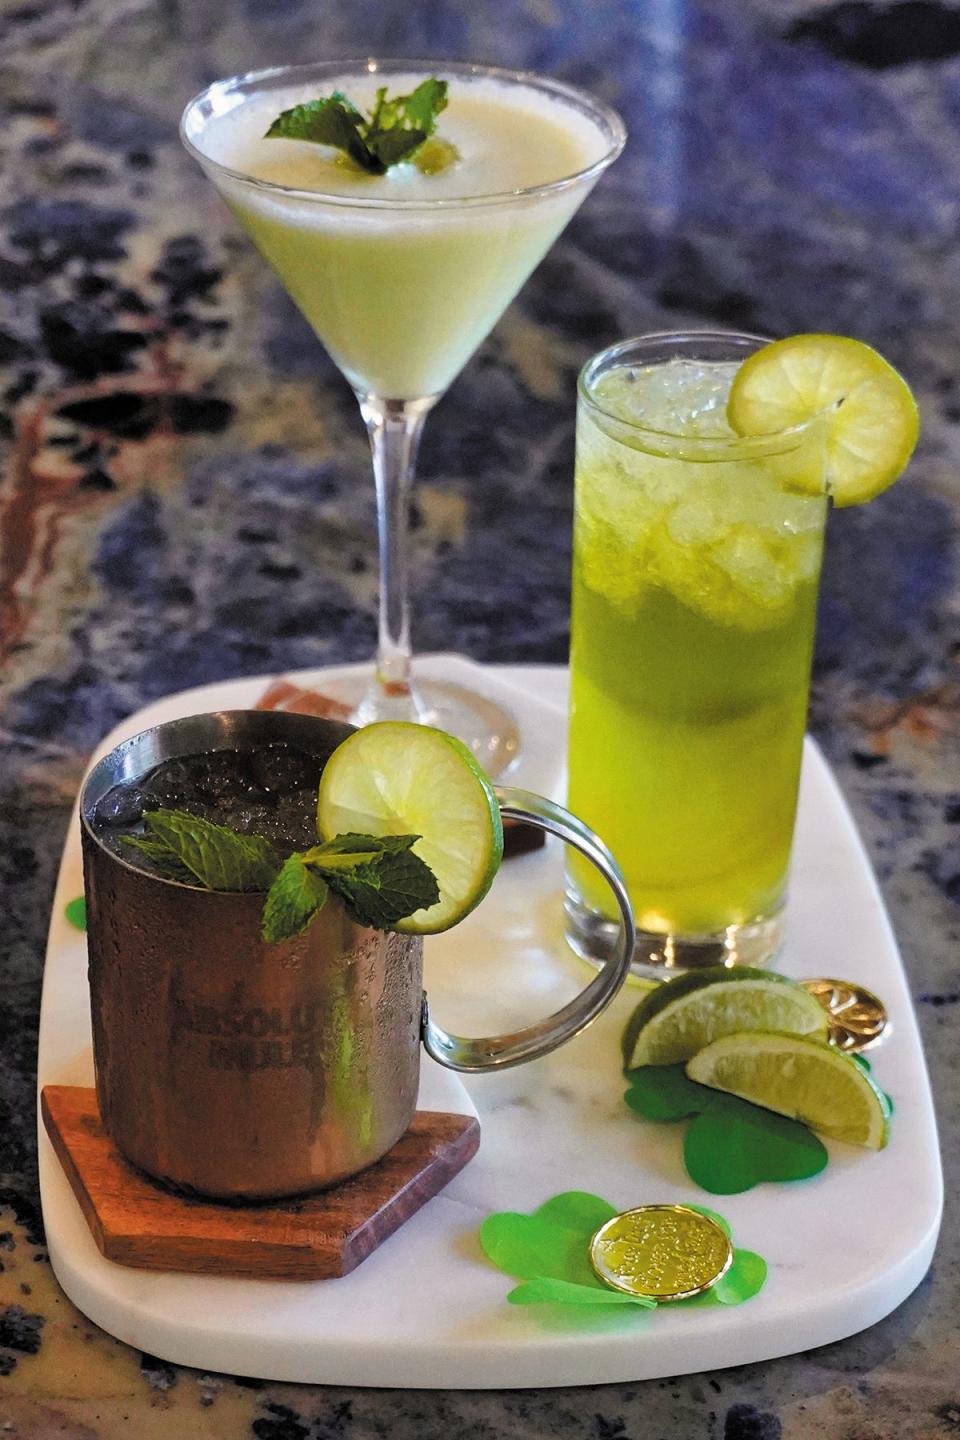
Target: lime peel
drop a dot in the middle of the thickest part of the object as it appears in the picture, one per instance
(802, 1078)
(398, 778)
(870, 417)
(681, 1016)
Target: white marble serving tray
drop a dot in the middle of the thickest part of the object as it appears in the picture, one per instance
(426, 1310)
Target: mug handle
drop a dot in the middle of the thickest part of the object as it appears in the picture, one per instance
(499, 1051)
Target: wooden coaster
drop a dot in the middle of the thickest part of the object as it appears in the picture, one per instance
(136, 1222)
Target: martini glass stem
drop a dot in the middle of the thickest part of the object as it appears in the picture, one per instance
(394, 428)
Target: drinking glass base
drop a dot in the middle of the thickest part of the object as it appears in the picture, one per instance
(485, 727)
(664, 956)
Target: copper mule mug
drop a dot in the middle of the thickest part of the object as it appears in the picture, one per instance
(242, 1070)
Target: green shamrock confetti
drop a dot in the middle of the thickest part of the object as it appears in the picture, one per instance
(549, 1251)
(731, 1145)
(75, 913)
(547, 1290)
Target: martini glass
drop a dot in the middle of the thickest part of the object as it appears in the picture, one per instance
(401, 279)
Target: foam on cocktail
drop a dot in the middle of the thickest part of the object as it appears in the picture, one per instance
(508, 138)
(403, 291)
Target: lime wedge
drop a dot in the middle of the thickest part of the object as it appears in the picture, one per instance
(396, 778)
(681, 1016)
(803, 1078)
(870, 415)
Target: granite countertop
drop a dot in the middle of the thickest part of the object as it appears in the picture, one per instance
(186, 497)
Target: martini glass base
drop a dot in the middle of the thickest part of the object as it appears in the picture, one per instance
(485, 727)
(659, 956)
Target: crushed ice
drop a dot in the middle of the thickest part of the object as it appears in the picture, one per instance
(679, 397)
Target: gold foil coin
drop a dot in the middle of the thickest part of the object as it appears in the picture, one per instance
(857, 1017)
(662, 1252)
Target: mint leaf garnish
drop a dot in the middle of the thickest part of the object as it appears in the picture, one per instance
(387, 892)
(399, 127)
(295, 897)
(351, 848)
(163, 857)
(379, 879)
(392, 132)
(212, 854)
(333, 121)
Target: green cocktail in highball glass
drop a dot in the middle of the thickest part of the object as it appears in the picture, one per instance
(694, 602)
(704, 466)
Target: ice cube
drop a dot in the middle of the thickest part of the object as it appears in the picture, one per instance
(754, 569)
(122, 806)
(696, 521)
(172, 783)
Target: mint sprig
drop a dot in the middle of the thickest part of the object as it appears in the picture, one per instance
(393, 131)
(379, 878)
(296, 895)
(189, 848)
(164, 859)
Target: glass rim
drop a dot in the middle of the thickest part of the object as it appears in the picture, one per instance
(206, 732)
(666, 441)
(606, 118)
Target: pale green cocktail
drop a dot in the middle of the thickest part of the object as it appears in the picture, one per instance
(403, 273)
(402, 295)
(694, 600)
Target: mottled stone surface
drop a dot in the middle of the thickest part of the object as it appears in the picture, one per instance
(186, 496)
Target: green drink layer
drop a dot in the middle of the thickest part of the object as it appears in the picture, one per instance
(401, 305)
(694, 599)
